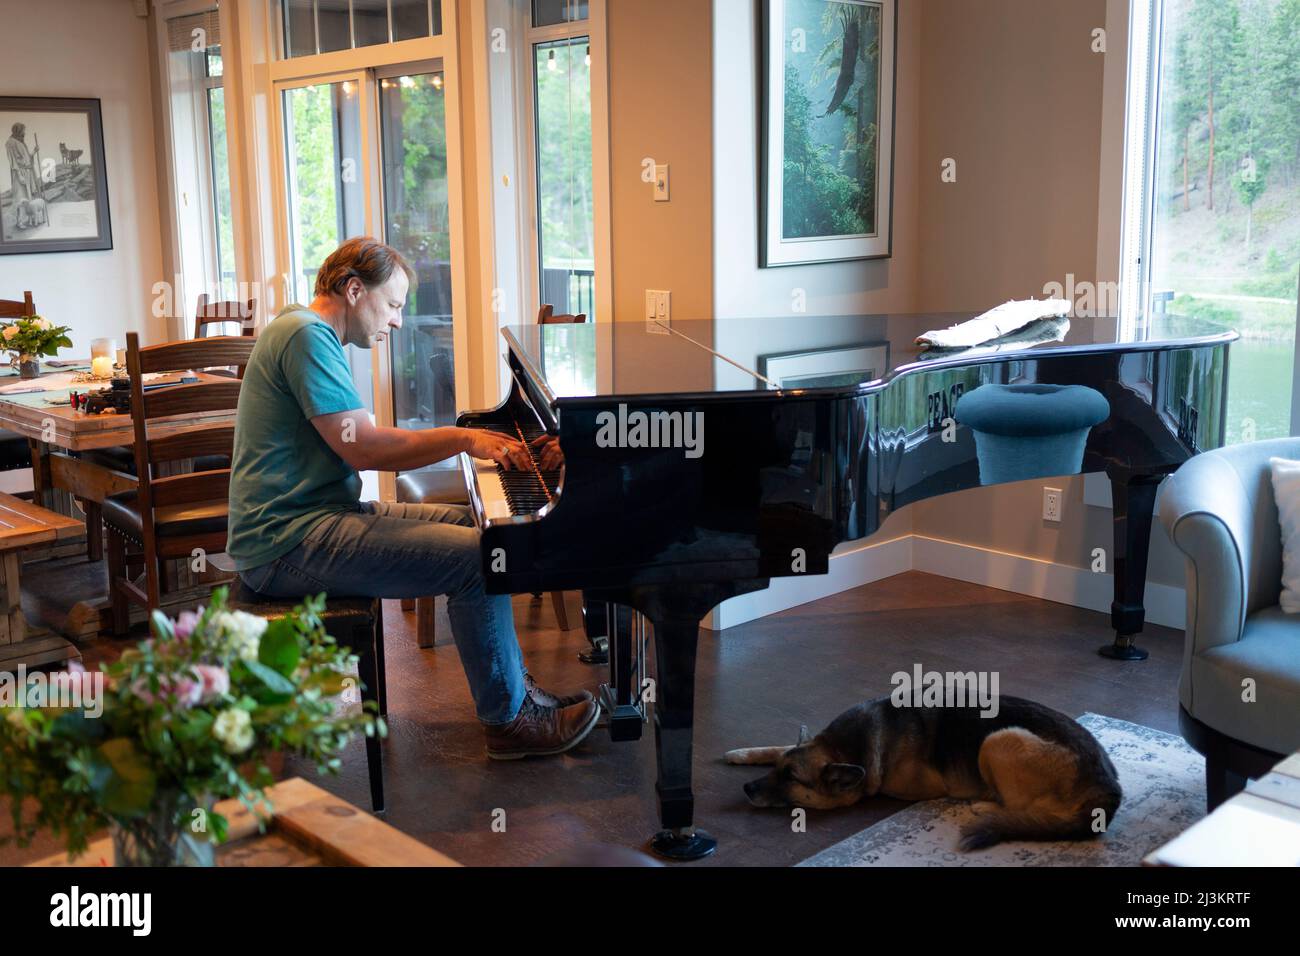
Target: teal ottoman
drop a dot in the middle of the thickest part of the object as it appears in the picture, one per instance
(1030, 431)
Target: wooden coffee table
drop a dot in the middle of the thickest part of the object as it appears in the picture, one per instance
(308, 827)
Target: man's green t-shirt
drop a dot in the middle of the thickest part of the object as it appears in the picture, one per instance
(284, 476)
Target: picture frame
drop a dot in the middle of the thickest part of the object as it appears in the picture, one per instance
(53, 177)
(833, 367)
(822, 201)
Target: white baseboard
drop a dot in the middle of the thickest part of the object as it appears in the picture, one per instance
(850, 568)
(1078, 587)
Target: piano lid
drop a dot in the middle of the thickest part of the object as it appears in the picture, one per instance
(836, 353)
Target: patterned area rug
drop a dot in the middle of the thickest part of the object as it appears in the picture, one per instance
(1164, 794)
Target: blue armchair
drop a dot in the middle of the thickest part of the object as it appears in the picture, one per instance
(1239, 693)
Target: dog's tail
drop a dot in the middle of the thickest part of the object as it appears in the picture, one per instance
(1088, 819)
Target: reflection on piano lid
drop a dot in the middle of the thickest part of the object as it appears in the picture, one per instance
(708, 357)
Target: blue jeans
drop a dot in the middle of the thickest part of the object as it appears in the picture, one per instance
(392, 550)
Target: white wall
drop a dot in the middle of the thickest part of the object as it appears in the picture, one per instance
(92, 48)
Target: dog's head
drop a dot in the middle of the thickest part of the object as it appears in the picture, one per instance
(808, 775)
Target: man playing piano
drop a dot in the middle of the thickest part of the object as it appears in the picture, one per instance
(297, 527)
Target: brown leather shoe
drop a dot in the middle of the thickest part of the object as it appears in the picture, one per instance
(547, 699)
(539, 731)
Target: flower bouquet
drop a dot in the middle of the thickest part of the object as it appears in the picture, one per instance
(186, 718)
(30, 337)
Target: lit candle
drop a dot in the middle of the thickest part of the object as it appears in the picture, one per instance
(101, 366)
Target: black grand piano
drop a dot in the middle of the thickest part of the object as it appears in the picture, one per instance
(704, 459)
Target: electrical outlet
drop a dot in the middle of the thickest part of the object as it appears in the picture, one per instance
(658, 310)
(1051, 504)
(661, 182)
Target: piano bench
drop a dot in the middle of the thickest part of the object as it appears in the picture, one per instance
(1030, 431)
(356, 623)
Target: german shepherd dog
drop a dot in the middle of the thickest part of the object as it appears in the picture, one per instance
(1035, 773)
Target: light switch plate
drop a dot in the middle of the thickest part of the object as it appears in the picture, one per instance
(658, 310)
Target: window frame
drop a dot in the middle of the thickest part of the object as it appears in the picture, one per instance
(184, 297)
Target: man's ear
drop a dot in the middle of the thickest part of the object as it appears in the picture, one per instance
(838, 777)
(352, 291)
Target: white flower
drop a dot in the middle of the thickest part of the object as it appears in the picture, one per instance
(234, 728)
(42, 324)
(243, 632)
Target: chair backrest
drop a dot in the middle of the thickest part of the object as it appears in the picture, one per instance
(17, 308)
(170, 441)
(546, 316)
(219, 313)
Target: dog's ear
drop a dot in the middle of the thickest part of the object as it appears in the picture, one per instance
(804, 736)
(838, 777)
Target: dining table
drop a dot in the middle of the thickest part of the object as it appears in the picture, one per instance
(63, 476)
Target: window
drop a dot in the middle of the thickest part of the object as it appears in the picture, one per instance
(560, 73)
(200, 159)
(1213, 186)
(323, 26)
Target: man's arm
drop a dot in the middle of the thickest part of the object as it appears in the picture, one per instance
(369, 447)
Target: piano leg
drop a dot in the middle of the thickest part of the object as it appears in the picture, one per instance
(675, 642)
(1134, 501)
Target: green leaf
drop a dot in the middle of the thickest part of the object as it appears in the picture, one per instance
(162, 626)
(121, 779)
(75, 725)
(279, 646)
(274, 681)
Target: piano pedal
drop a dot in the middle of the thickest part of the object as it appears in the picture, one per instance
(599, 653)
(623, 720)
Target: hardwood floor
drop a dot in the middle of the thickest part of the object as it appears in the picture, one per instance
(756, 684)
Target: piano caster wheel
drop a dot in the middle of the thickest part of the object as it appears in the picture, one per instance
(686, 846)
(599, 653)
(1123, 650)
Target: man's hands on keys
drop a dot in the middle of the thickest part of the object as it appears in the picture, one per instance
(507, 452)
(548, 447)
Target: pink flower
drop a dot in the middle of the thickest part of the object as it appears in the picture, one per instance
(186, 623)
(214, 682)
(184, 691)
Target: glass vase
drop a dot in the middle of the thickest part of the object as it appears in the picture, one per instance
(164, 836)
(29, 366)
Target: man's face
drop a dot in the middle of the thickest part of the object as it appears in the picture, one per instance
(373, 312)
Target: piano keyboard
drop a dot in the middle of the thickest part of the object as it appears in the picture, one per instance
(516, 492)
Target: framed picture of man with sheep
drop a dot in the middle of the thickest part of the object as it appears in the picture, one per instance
(53, 189)
(827, 130)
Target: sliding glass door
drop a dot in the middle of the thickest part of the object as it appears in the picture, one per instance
(415, 213)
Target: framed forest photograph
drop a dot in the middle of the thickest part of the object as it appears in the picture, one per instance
(827, 130)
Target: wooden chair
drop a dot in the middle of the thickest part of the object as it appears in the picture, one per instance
(210, 313)
(221, 313)
(17, 308)
(15, 451)
(546, 316)
(167, 518)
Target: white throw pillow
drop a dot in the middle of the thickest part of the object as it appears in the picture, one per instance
(1286, 492)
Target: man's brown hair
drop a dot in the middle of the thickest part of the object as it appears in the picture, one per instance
(368, 259)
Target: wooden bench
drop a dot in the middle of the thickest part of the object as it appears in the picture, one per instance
(24, 524)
